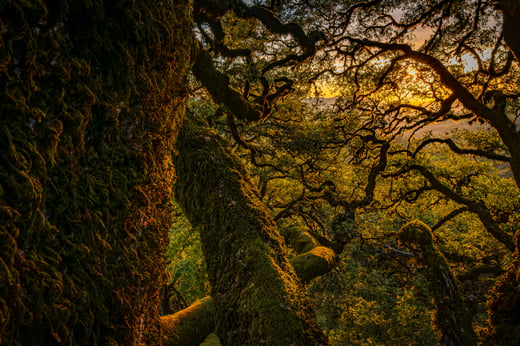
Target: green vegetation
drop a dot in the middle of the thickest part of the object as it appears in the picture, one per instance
(347, 172)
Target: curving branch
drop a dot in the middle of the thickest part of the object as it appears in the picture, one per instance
(217, 84)
(496, 117)
(189, 326)
(478, 208)
(450, 216)
(458, 150)
(313, 259)
(307, 42)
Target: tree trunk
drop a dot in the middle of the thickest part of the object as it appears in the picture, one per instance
(452, 316)
(193, 324)
(504, 299)
(504, 306)
(92, 95)
(257, 296)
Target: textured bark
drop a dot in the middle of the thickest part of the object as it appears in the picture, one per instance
(452, 316)
(313, 258)
(92, 93)
(257, 296)
(189, 326)
(511, 26)
(504, 301)
(504, 306)
(192, 325)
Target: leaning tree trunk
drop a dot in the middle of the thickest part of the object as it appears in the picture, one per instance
(193, 324)
(92, 95)
(504, 298)
(256, 295)
(504, 305)
(452, 315)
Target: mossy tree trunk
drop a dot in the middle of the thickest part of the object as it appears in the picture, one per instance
(504, 305)
(452, 316)
(92, 93)
(256, 295)
(193, 324)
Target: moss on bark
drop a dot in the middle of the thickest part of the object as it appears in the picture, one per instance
(189, 326)
(258, 298)
(504, 306)
(313, 258)
(452, 316)
(313, 263)
(92, 93)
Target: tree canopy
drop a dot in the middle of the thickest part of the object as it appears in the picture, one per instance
(347, 172)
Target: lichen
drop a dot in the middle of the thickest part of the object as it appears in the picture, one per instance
(92, 95)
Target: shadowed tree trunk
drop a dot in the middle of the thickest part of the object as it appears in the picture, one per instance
(504, 306)
(452, 316)
(504, 302)
(256, 295)
(92, 93)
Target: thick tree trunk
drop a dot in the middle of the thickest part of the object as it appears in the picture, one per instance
(92, 93)
(257, 296)
(504, 301)
(192, 325)
(511, 17)
(452, 316)
(504, 306)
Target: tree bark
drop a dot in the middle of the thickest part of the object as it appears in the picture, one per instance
(504, 306)
(313, 258)
(92, 93)
(511, 26)
(257, 296)
(504, 302)
(190, 326)
(452, 316)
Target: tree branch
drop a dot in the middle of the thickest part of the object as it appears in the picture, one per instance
(478, 208)
(189, 326)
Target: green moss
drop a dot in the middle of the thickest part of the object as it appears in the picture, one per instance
(300, 240)
(452, 316)
(92, 95)
(504, 305)
(314, 263)
(189, 326)
(258, 298)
